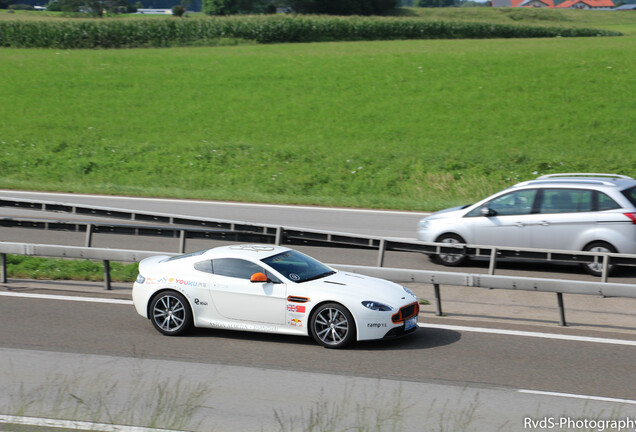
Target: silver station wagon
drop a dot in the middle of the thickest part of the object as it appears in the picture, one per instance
(582, 212)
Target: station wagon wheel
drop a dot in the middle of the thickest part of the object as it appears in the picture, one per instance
(449, 259)
(332, 326)
(170, 313)
(596, 268)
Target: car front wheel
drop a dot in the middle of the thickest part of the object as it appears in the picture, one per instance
(595, 268)
(170, 313)
(450, 259)
(332, 326)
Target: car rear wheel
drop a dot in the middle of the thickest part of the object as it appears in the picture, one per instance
(332, 326)
(170, 313)
(596, 268)
(448, 259)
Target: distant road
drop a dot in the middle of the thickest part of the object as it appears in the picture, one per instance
(368, 222)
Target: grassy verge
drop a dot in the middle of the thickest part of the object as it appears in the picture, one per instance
(24, 267)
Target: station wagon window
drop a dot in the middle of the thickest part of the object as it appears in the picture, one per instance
(606, 203)
(513, 203)
(630, 194)
(566, 201)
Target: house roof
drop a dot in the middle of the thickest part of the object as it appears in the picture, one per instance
(590, 3)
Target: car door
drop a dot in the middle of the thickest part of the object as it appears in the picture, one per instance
(236, 297)
(504, 220)
(563, 215)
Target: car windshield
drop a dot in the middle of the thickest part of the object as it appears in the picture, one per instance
(298, 267)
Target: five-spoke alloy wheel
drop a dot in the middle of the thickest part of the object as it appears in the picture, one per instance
(170, 313)
(332, 326)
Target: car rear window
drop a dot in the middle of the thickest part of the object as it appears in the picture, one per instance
(630, 194)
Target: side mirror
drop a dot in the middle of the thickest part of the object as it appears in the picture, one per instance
(258, 277)
(485, 211)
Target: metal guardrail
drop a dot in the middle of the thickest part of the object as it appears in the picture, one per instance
(435, 278)
(184, 228)
(179, 226)
(270, 234)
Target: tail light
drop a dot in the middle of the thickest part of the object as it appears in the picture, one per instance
(632, 216)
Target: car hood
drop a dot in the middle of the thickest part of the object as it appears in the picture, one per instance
(365, 287)
(449, 212)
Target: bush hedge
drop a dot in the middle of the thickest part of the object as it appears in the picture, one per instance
(262, 29)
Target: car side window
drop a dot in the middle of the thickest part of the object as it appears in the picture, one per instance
(234, 267)
(513, 203)
(630, 194)
(239, 268)
(204, 266)
(566, 201)
(606, 203)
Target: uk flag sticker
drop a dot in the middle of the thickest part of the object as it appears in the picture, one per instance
(295, 308)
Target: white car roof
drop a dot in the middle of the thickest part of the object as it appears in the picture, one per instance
(254, 251)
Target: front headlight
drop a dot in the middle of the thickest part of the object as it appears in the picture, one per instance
(376, 306)
(424, 224)
(140, 279)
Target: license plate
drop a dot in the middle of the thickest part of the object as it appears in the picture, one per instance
(410, 323)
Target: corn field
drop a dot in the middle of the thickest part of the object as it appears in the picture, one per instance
(172, 31)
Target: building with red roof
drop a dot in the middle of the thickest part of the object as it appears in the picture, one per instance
(587, 4)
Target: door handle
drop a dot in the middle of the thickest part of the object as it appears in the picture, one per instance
(545, 223)
(519, 224)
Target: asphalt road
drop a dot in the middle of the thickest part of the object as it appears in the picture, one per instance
(359, 221)
(458, 366)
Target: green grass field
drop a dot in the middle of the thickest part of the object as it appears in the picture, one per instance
(402, 124)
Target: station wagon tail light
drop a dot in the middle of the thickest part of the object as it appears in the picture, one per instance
(632, 216)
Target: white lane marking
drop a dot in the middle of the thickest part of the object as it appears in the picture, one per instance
(72, 424)
(576, 396)
(530, 334)
(221, 203)
(66, 298)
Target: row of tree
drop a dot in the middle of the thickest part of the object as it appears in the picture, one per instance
(233, 7)
(324, 7)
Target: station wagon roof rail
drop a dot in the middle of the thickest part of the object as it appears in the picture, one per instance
(613, 180)
(620, 176)
(570, 181)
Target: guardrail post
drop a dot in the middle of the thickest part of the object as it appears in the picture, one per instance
(381, 250)
(493, 261)
(89, 235)
(605, 268)
(107, 274)
(438, 300)
(3, 268)
(279, 236)
(561, 310)
(182, 241)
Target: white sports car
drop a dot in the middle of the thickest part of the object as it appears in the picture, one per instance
(271, 289)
